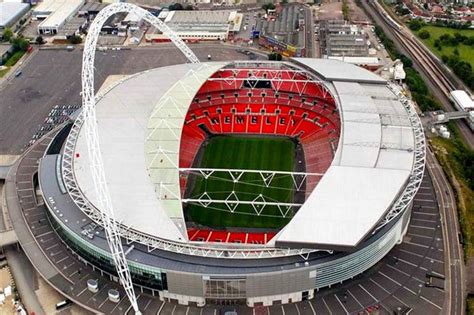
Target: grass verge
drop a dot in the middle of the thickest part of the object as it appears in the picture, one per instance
(456, 159)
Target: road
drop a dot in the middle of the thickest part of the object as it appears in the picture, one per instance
(432, 71)
(455, 267)
(309, 33)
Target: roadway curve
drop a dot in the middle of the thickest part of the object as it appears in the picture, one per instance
(433, 72)
(452, 246)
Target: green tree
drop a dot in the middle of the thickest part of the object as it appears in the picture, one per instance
(345, 10)
(274, 56)
(406, 61)
(75, 39)
(7, 34)
(188, 7)
(19, 43)
(424, 34)
(176, 7)
(268, 6)
(39, 40)
(415, 25)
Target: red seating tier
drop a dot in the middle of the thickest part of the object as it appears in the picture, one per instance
(220, 236)
(294, 109)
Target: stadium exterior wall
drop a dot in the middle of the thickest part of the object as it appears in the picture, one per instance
(265, 288)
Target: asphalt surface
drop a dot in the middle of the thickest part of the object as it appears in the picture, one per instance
(410, 277)
(309, 32)
(455, 268)
(53, 77)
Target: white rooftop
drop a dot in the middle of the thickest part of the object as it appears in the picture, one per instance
(60, 11)
(10, 11)
(463, 100)
(335, 69)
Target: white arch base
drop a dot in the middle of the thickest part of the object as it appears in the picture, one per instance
(92, 136)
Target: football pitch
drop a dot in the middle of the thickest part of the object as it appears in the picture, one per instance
(244, 152)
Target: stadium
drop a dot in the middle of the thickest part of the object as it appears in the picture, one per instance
(246, 182)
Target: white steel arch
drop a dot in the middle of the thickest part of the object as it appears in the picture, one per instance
(90, 123)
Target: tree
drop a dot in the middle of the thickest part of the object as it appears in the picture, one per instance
(406, 61)
(274, 56)
(268, 6)
(189, 7)
(176, 7)
(424, 34)
(456, 51)
(415, 25)
(346, 11)
(75, 39)
(39, 40)
(19, 44)
(7, 34)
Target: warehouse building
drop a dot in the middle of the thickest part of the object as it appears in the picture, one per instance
(10, 13)
(55, 14)
(339, 38)
(283, 30)
(200, 25)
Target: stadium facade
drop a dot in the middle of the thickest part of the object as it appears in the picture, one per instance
(363, 161)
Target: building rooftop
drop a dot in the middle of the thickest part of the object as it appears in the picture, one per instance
(10, 12)
(463, 99)
(61, 10)
(4, 48)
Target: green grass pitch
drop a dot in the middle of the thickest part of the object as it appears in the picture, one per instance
(244, 152)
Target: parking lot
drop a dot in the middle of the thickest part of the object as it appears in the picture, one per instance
(53, 77)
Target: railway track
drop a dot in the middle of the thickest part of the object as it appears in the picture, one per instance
(412, 45)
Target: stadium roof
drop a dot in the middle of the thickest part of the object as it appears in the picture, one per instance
(340, 71)
(10, 12)
(373, 161)
(123, 149)
(372, 164)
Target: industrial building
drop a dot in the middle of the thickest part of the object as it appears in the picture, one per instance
(199, 25)
(338, 38)
(10, 13)
(55, 14)
(282, 30)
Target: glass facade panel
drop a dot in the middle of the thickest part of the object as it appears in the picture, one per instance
(225, 288)
(141, 274)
